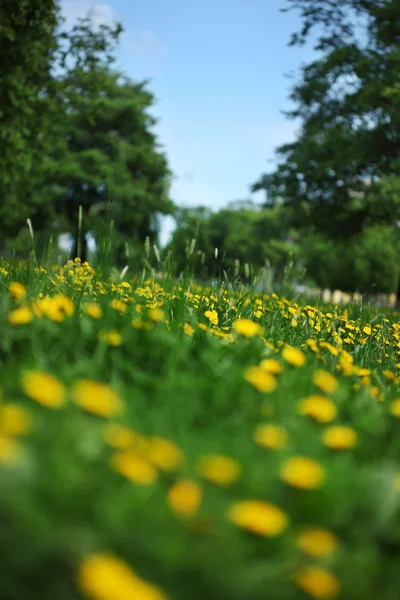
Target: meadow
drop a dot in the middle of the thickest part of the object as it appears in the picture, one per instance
(162, 439)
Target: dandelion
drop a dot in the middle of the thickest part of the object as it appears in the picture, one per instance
(188, 329)
(317, 542)
(92, 309)
(219, 469)
(325, 381)
(17, 290)
(367, 330)
(119, 305)
(260, 379)
(318, 583)
(320, 408)
(134, 467)
(156, 314)
(302, 472)
(20, 316)
(212, 316)
(105, 577)
(340, 437)
(163, 454)
(270, 436)
(247, 328)
(97, 398)
(119, 436)
(261, 518)
(293, 356)
(271, 365)
(395, 408)
(184, 498)
(44, 388)
(113, 337)
(14, 420)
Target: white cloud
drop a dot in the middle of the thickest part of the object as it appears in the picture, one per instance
(145, 44)
(74, 9)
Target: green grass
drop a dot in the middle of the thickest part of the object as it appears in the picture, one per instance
(62, 499)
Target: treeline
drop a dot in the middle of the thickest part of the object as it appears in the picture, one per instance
(75, 132)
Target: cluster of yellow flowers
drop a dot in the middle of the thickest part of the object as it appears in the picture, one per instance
(328, 343)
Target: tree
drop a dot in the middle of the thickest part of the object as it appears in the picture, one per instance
(346, 157)
(27, 44)
(106, 158)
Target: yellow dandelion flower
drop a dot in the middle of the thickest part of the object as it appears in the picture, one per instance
(219, 469)
(105, 577)
(156, 314)
(247, 328)
(317, 542)
(119, 436)
(258, 517)
(97, 398)
(44, 388)
(293, 356)
(163, 454)
(340, 437)
(271, 365)
(395, 408)
(188, 329)
(119, 305)
(320, 408)
(390, 376)
(302, 472)
(367, 330)
(133, 466)
(184, 498)
(92, 309)
(9, 450)
(20, 316)
(260, 379)
(270, 436)
(325, 381)
(212, 316)
(113, 338)
(17, 290)
(14, 420)
(318, 583)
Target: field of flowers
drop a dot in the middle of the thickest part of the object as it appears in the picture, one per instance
(164, 440)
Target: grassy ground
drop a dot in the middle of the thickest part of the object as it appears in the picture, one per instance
(163, 440)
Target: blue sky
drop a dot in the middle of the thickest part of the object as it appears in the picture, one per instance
(218, 71)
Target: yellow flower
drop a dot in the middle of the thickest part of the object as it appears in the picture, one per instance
(105, 577)
(44, 388)
(340, 437)
(260, 379)
(219, 469)
(318, 407)
(20, 316)
(188, 329)
(134, 467)
(184, 497)
(247, 328)
(325, 381)
(113, 338)
(97, 398)
(270, 436)
(395, 408)
(119, 436)
(302, 472)
(9, 450)
(212, 316)
(318, 583)
(119, 305)
(367, 330)
(163, 454)
(92, 309)
(271, 365)
(293, 356)
(14, 420)
(258, 517)
(156, 314)
(317, 542)
(17, 290)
